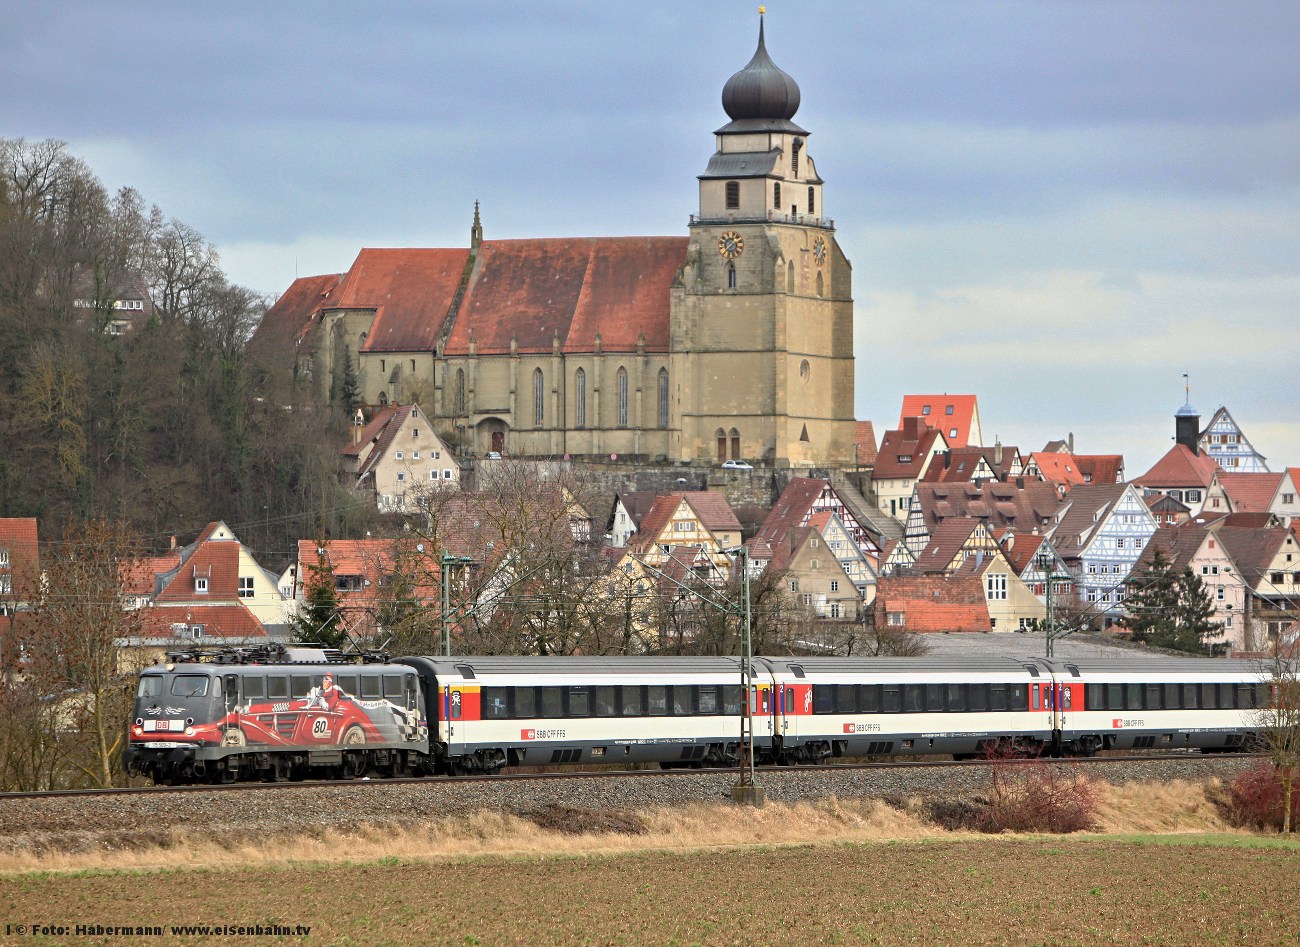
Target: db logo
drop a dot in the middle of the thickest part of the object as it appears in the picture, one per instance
(1117, 724)
(848, 728)
(528, 735)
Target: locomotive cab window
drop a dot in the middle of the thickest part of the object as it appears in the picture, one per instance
(190, 685)
(150, 686)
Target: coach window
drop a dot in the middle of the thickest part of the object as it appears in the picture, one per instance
(1210, 696)
(977, 697)
(956, 699)
(369, 686)
(393, 686)
(1225, 696)
(277, 687)
(846, 699)
(254, 688)
(1033, 696)
(1095, 697)
(1173, 697)
(934, 698)
(708, 696)
(605, 702)
(823, 698)
(1114, 696)
(1189, 697)
(683, 705)
(657, 700)
(1132, 696)
(552, 702)
(632, 702)
(579, 702)
(997, 697)
(913, 698)
(496, 703)
(1153, 697)
(299, 685)
(1017, 697)
(525, 702)
(731, 703)
(1262, 695)
(1245, 695)
(891, 698)
(868, 698)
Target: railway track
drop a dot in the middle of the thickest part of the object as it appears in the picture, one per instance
(557, 776)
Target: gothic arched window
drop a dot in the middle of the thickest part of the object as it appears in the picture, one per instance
(460, 391)
(721, 435)
(789, 277)
(580, 399)
(731, 276)
(820, 285)
(733, 195)
(622, 396)
(383, 397)
(539, 398)
(735, 444)
(663, 397)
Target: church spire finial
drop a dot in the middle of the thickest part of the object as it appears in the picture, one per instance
(476, 232)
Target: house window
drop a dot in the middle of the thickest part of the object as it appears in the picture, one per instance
(733, 195)
(1218, 593)
(1288, 498)
(1119, 544)
(201, 585)
(1192, 496)
(398, 455)
(952, 432)
(663, 397)
(926, 410)
(896, 619)
(996, 586)
(4, 556)
(539, 398)
(415, 455)
(433, 475)
(245, 586)
(446, 474)
(807, 598)
(794, 585)
(835, 585)
(776, 195)
(580, 401)
(621, 385)
(6, 586)
(401, 476)
(835, 609)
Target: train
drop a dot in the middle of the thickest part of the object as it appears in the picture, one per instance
(277, 713)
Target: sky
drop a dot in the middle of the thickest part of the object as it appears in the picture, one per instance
(1061, 207)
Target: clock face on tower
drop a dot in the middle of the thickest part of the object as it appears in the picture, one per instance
(819, 250)
(731, 244)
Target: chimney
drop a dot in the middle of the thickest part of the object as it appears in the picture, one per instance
(358, 422)
(1070, 440)
(997, 453)
(912, 428)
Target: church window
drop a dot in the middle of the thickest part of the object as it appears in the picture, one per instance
(622, 396)
(460, 391)
(383, 398)
(789, 277)
(539, 398)
(776, 195)
(805, 370)
(794, 160)
(820, 286)
(580, 402)
(735, 444)
(722, 444)
(381, 365)
(811, 192)
(731, 276)
(733, 195)
(663, 397)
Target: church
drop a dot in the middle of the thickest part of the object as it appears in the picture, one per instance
(733, 342)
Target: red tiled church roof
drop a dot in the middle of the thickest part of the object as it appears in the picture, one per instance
(534, 291)
(287, 322)
(410, 291)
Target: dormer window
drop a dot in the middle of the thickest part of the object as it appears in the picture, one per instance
(733, 195)
(200, 585)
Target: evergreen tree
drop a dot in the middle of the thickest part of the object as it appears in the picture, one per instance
(318, 621)
(1169, 608)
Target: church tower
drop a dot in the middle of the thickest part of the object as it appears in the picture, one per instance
(762, 318)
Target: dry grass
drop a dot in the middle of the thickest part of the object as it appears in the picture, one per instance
(1177, 807)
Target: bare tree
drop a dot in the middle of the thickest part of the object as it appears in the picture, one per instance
(1279, 721)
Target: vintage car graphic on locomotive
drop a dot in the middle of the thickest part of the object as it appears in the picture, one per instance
(295, 713)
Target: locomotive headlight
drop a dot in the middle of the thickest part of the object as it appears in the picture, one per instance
(189, 731)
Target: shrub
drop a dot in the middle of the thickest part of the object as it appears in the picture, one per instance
(1040, 797)
(1254, 799)
(574, 821)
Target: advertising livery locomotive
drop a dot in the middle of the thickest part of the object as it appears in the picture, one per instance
(274, 713)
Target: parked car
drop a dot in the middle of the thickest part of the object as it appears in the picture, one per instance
(736, 465)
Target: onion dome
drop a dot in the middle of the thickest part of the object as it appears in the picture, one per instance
(761, 90)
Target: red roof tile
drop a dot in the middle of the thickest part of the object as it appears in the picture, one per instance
(1058, 468)
(938, 416)
(410, 291)
(286, 323)
(905, 452)
(231, 620)
(1250, 492)
(1180, 468)
(18, 537)
(792, 509)
(217, 561)
(713, 510)
(573, 289)
(1101, 468)
(864, 443)
(932, 604)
